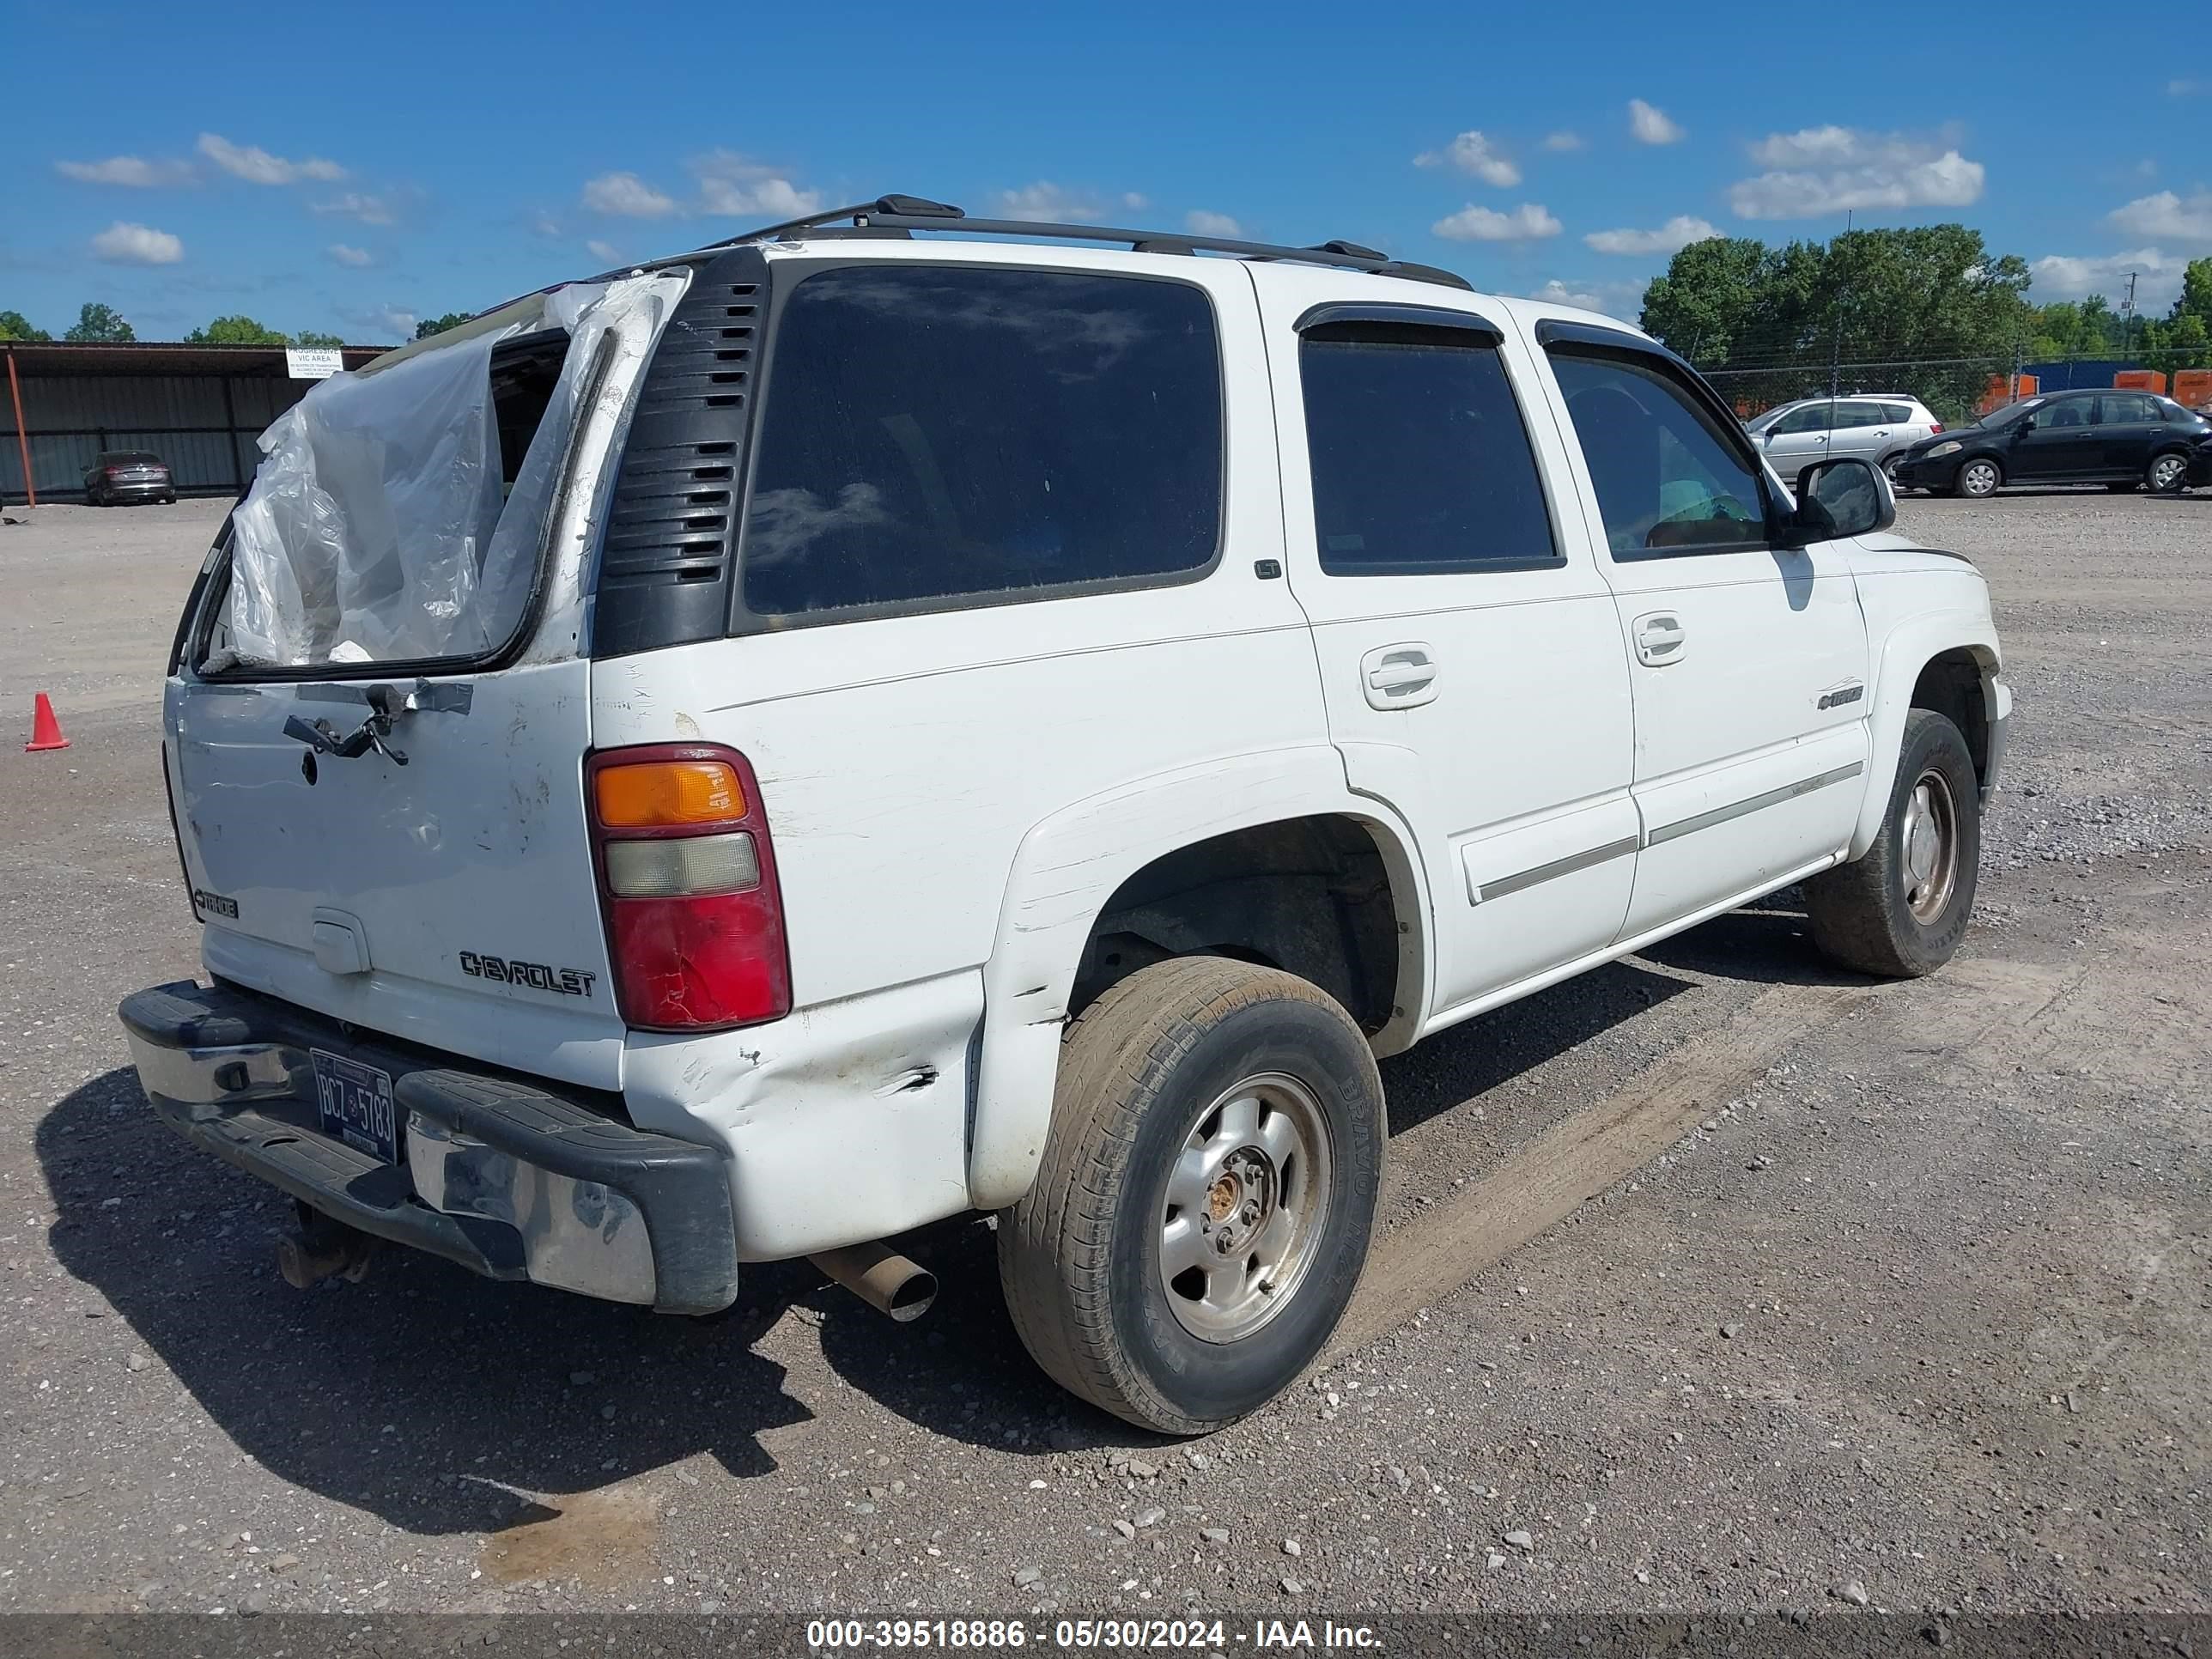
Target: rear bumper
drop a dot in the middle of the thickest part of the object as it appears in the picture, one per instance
(151, 490)
(507, 1180)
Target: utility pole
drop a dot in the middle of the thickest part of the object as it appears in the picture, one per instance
(2128, 321)
(1835, 336)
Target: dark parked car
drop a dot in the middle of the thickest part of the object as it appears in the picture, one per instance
(2122, 440)
(128, 474)
(2200, 470)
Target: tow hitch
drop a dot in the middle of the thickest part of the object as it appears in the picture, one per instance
(317, 1247)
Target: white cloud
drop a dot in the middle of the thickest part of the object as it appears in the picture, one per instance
(606, 252)
(1200, 222)
(1135, 201)
(355, 256)
(2170, 216)
(383, 319)
(133, 172)
(627, 195)
(1561, 141)
(1046, 202)
(2185, 88)
(1677, 233)
(259, 167)
(545, 224)
(2158, 277)
(1526, 223)
(1826, 170)
(735, 185)
(1473, 153)
(368, 209)
(122, 243)
(1623, 300)
(1652, 124)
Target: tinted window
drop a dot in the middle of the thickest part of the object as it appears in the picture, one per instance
(2130, 408)
(1812, 417)
(2011, 412)
(2065, 412)
(1897, 414)
(1858, 415)
(1666, 479)
(1420, 461)
(932, 432)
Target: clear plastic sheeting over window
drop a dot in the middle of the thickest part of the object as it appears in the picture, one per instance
(398, 514)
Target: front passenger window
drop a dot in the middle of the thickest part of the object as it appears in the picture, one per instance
(1668, 482)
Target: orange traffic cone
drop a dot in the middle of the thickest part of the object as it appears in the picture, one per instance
(46, 730)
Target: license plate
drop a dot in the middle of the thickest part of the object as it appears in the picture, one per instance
(356, 1104)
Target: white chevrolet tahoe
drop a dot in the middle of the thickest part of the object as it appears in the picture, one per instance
(742, 758)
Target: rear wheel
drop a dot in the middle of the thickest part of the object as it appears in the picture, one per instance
(1206, 1196)
(1977, 478)
(2165, 473)
(1900, 911)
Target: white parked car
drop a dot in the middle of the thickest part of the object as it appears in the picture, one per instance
(1873, 426)
(851, 728)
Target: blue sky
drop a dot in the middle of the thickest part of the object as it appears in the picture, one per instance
(349, 169)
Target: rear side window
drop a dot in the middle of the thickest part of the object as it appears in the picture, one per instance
(2130, 408)
(1897, 414)
(1854, 415)
(1668, 482)
(1420, 461)
(938, 432)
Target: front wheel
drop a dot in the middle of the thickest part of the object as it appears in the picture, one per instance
(1977, 478)
(1206, 1196)
(1900, 911)
(2165, 473)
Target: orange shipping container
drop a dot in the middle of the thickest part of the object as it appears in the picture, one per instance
(2140, 380)
(2192, 388)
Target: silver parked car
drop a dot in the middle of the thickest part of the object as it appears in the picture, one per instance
(1873, 426)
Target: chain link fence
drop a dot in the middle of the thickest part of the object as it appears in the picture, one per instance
(1958, 389)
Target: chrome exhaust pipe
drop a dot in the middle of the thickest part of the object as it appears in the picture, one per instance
(883, 1279)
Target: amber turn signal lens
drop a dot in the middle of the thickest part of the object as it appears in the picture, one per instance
(666, 794)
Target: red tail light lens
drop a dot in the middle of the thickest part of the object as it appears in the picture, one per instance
(687, 877)
(1935, 426)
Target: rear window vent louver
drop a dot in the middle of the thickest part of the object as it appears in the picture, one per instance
(665, 562)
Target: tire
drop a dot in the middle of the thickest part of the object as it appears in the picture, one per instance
(2166, 473)
(1865, 914)
(1978, 479)
(1157, 1067)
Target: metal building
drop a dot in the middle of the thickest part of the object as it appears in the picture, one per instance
(200, 408)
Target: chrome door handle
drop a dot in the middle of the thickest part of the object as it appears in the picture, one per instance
(1399, 676)
(1660, 638)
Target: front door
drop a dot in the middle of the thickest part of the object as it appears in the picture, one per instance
(1469, 657)
(1749, 660)
(2062, 443)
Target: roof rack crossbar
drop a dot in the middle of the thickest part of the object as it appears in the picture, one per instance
(910, 213)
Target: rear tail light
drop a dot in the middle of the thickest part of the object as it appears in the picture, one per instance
(1934, 426)
(687, 876)
(112, 471)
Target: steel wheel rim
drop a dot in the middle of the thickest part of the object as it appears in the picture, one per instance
(1981, 477)
(1245, 1204)
(2165, 471)
(1929, 846)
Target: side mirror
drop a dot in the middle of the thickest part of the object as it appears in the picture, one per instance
(2026, 424)
(1839, 498)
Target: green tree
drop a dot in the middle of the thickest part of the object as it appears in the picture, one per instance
(2185, 342)
(2196, 299)
(95, 321)
(236, 330)
(308, 337)
(1928, 310)
(430, 326)
(14, 326)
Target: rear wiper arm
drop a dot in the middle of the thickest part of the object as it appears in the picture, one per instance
(384, 704)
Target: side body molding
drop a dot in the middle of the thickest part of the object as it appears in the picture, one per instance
(1069, 866)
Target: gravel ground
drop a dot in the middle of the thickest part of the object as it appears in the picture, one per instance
(1911, 1307)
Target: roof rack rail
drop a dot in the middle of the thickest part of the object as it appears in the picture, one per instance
(914, 213)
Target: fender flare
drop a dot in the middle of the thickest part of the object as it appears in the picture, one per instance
(1909, 648)
(1066, 868)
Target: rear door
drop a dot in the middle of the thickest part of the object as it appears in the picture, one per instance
(1470, 661)
(1860, 428)
(1749, 660)
(2128, 424)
